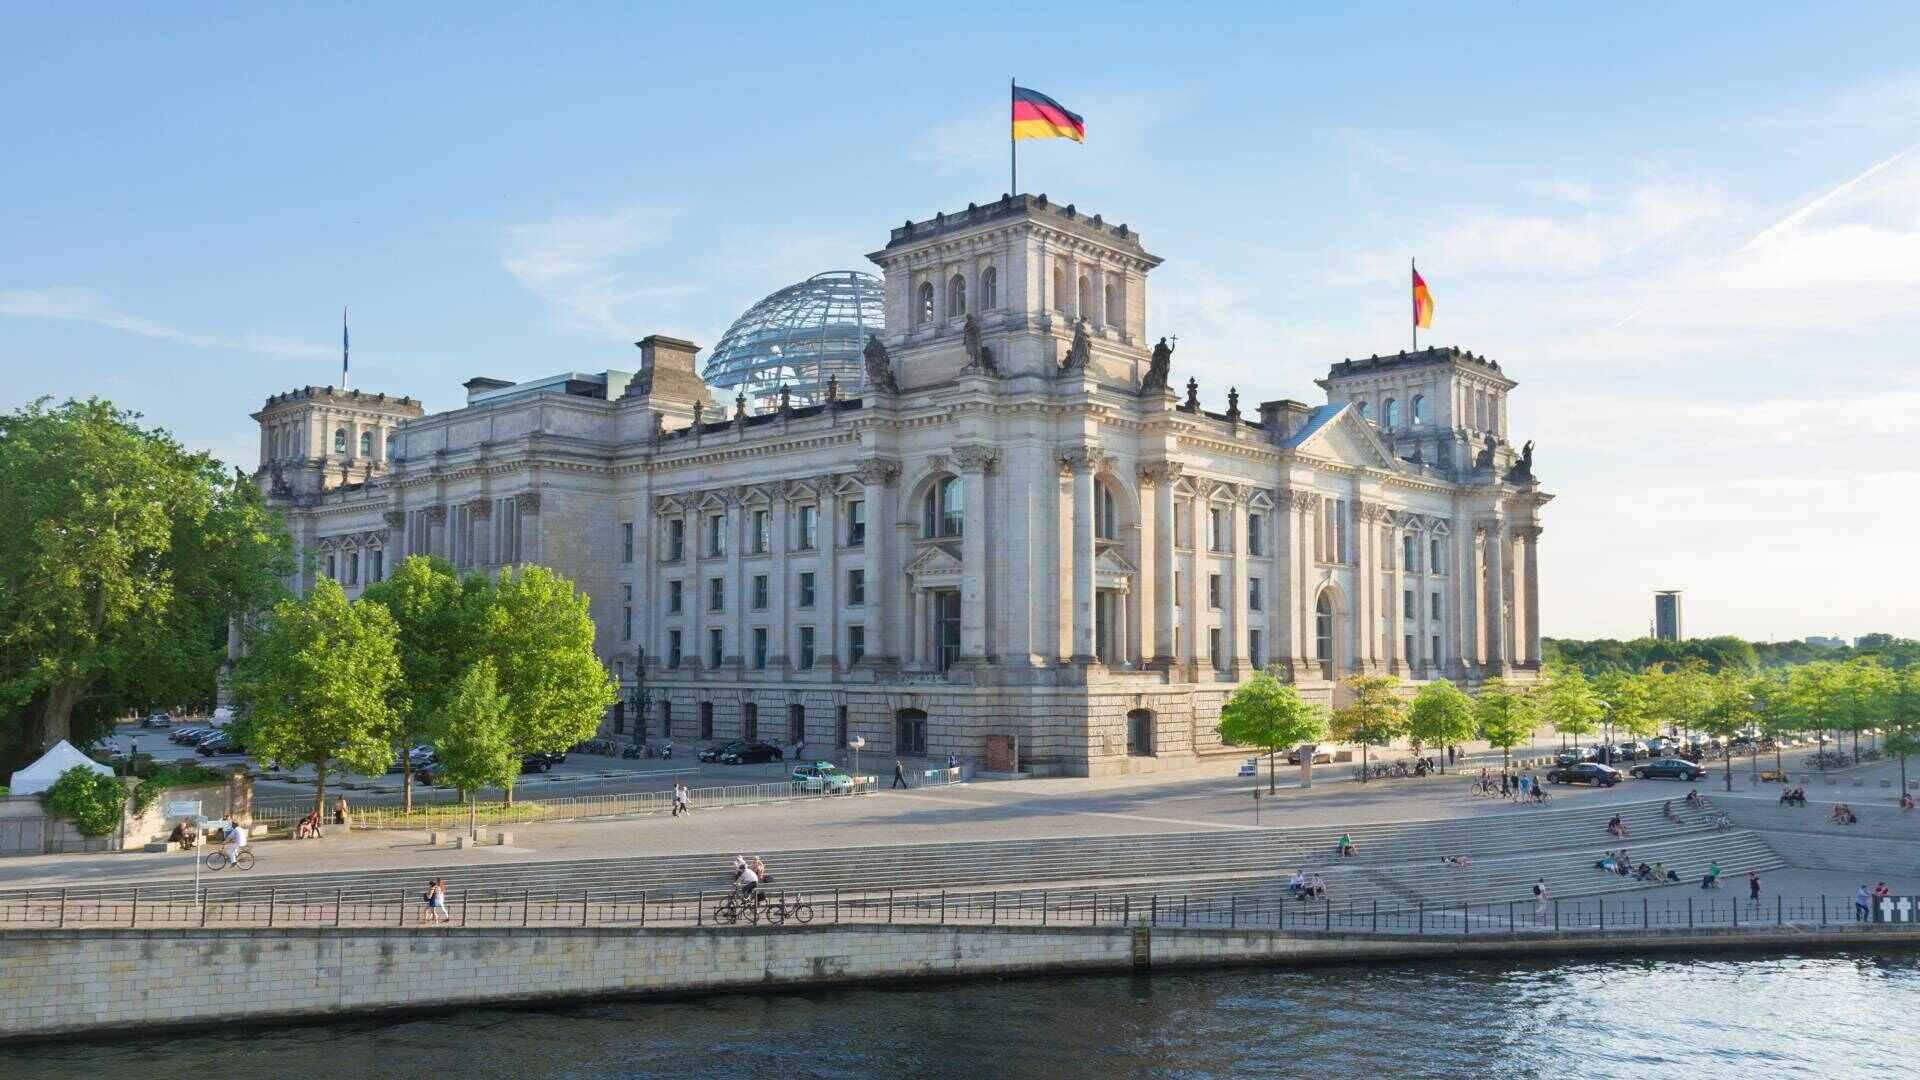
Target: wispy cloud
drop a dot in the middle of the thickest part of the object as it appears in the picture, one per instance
(83, 305)
(583, 263)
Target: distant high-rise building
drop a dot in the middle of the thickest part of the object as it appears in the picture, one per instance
(1666, 615)
(1825, 641)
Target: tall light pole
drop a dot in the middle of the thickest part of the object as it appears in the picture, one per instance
(1607, 721)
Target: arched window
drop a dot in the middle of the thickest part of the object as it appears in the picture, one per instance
(1110, 310)
(1060, 291)
(989, 289)
(366, 444)
(1086, 299)
(923, 311)
(1323, 634)
(1482, 412)
(945, 510)
(393, 443)
(339, 440)
(1360, 409)
(1106, 522)
(956, 297)
(1420, 409)
(1390, 414)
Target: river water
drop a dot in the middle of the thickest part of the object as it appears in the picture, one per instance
(1756, 1017)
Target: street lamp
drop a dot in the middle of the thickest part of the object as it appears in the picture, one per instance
(1606, 752)
(855, 744)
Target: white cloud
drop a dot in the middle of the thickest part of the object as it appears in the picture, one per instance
(582, 263)
(83, 305)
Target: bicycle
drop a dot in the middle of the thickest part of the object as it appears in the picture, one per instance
(781, 908)
(217, 859)
(737, 907)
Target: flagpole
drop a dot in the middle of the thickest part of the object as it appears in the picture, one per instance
(343, 346)
(1411, 265)
(1013, 144)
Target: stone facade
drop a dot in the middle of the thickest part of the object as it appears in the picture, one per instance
(1020, 528)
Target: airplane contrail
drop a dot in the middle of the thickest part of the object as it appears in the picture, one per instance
(1813, 207)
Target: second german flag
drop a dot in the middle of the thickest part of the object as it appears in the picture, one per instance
(1037, 116)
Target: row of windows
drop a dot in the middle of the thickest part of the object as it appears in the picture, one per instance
(376, 567)
(805, 659)
(957, 296)
(366, 443)
(750, 722)
(761, 588)
(1390, 412)
(805, 536)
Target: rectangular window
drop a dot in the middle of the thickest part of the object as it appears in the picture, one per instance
(1408, 608)
(809, 527)
(673, 649)
(716, 535)
(750, 721)
(1217, 528)
(626, 614)
(806, 589)
(706, 719)
(353, 568)
(1433, 604)
(676, 540)
(379, 566)
(857, 523)
(676, 593)
(856, 644)
(1255, 531)
(1213, 591)
(759, 648)
(856, 587)
(946, 628)
(1433, 556)
(1179, 594)
(759, 592)
(1434, 656)
(1253, 594)
(715, 648)
(626, 542)
(332, 570)
(806, 648)
(666, 719)
(716, 594)
(1407, 552)
(1409, 653)
(1213, 649)
(840, 735)
(796, 724)
(762, 532)
(1254, 650)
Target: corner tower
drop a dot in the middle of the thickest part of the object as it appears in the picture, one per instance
(318, 438)
(1030, 272)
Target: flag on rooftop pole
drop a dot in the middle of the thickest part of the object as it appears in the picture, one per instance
(1422, 306)
(1037, 116)
(343, 347)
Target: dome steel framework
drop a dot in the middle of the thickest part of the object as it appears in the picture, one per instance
(798, 338)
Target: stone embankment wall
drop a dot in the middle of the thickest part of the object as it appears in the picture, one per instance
(126, 982)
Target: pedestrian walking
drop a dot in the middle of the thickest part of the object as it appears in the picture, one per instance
(1450, 757)
(1540, 896)
(1862, 904)
(899, 775)
(1503, 784)
(342, 816)
(680, 800)
(435, 901)
(1753, 885)
(1526, 786)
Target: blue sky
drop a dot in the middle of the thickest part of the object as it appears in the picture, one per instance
(1690, 231)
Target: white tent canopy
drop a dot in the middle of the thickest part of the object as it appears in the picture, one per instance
(40, 775)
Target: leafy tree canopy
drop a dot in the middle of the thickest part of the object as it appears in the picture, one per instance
(475, 744)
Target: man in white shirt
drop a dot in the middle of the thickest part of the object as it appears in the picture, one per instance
(236, 839)
(749, 881)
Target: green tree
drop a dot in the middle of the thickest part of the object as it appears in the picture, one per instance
(1866, 689)
(124, 558)
(1903, 718)
(1818, 694)
(1774, 709)
(317, 685)
(1729, 710)
(1624, 696)
(1270, 714)
(1441, 715)
(1506, 714)
(93, 802)
(537, 630)
(433, 612)
(1568, 700)
(1375, 717)
(475, 744)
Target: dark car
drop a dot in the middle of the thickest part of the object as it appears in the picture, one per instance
(1670, 768)
(752, 752)
(157, 720)
(220, 744)
(188, 735)
(1569, 757)
(712, 753)
(1587, 772)
(535, 763)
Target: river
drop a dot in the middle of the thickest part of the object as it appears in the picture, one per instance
(1756, 1017)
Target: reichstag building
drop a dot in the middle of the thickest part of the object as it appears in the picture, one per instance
(970, 498)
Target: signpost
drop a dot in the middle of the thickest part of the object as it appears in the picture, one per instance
(190, 808)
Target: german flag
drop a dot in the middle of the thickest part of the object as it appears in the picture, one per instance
(1037, 116)
(1422, 302)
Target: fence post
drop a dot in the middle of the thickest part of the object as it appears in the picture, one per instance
(1093, 918)
(204, 904)
(526, 905)
(1556, 916)
(63, 906)
(943, 907)
(1603, 913)
(993, 910)
(1823, 909)
(1153, 916)
(1466, 926)
(272, 893)
(1423, 915)
(466, 899)
(1510, 926)
(1736, 914)
(889, 905)
(1689, 912)
(1779, 910)
(1644, 924)
(1329, 914)
(136, 907)
(643, 907)
(836, 905)
(583, 906)
(1126, 908)
(1233, 910)
(403, 907)
(1043, 907)
(338, 893)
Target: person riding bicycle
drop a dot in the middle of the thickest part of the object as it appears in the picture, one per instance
(236, 839)
(748, 881)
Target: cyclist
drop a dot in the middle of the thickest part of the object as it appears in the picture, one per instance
(748, 881)
(236, 839)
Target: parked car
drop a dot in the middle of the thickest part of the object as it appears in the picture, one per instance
(189, 735)
(1660, 746)
(1569, 756)
(823, 776)
(535, 763)
(1630, 750)
(1320, 757)
(1671, 768)
(157, 720)
(751, 753)
(220, 744)
(1586, 772)
(417, 758)
(712, 753)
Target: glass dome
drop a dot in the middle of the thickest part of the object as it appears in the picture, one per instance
(798, 337)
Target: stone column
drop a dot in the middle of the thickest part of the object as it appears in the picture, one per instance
(826, 645)
(976, 465)
(437, 532)
(480, 512)
(396, 538)
(1298, 509)
(1530, 539)
(1239, 662)
(1198, 615)
(527, 506)
(1365, 591)
(1397, 649)
(735, 589)
(1083, 462)
(1496, 607)
(1161, 475)
(779, 537)
(885, 637)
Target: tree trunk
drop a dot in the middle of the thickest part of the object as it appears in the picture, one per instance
(1363, 762)
(406, 782)
(1729, 774)
(320, 790)
(1270, 767)
(509, 790)
(56, 714)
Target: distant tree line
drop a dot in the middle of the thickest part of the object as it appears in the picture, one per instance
(1600, 656)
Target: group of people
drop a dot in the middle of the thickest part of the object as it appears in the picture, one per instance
(1843, 815)
(1305, 886)
(1616, 828)
(1794, 796)
(681, 802)
(749, 873)
(1865, 899)
(434, 900)
(1344, 848)
(310, 827)
(1513, 785)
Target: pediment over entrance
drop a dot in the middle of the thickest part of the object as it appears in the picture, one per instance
(934, 565)
(1111, 561)
(1337, 432)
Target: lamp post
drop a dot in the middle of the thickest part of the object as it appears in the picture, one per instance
(1606, 753)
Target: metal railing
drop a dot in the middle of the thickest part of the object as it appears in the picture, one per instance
(54, 908)
(446, 816)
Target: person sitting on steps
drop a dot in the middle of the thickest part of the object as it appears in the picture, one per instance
(1344, 847)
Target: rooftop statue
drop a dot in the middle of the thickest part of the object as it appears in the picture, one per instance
(1158, 368)
(879, 367)
(1081, 351)
(979, 355)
